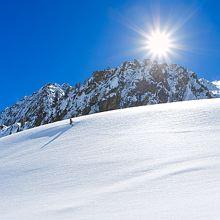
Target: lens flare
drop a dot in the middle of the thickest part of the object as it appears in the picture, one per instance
(159, 44)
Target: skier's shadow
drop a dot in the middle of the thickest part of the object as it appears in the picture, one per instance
(57, 136)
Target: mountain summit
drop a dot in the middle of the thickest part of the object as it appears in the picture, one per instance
(131, 84)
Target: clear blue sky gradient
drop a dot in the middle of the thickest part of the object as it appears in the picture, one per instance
(65, 41)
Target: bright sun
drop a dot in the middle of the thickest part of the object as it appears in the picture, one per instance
(159, 44)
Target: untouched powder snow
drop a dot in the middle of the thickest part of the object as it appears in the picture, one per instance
(151, 162)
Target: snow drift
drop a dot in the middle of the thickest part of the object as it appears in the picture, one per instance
(151, 162)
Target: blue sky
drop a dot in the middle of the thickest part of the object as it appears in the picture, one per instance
(65, 41)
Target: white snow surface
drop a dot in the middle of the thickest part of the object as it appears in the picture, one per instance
(151, 162)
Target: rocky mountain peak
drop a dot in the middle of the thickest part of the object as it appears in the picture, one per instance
(133, 83)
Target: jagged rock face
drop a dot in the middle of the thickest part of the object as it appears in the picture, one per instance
(34, 110)
(131, 84)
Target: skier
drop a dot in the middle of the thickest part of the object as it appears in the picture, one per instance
(71, 121)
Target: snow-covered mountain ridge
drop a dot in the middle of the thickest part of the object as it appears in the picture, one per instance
(131, 84)
(153, 162)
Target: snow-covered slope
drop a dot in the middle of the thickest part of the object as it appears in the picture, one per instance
(152, 162)
(133, 83)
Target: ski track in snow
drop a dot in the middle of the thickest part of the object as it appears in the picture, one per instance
(151, 162)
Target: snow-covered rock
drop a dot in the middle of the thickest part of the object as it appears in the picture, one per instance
(34, 110)
(216, 90)
(214, 86)
(131, 84)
